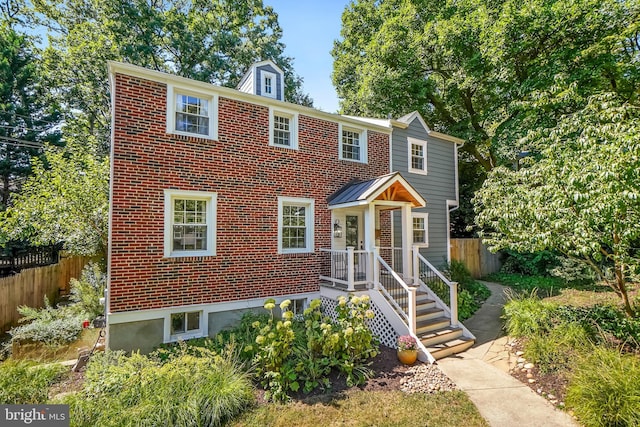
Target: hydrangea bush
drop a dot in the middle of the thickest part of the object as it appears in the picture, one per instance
(293, 355)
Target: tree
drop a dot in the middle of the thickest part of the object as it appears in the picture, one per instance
(478, 69)
(209, 40)
(26, 118)
(579, 194)
(65, 200)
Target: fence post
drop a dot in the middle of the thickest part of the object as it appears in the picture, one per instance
(453, 302)
(351, 266)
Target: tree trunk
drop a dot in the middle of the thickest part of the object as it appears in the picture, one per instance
(621, 289)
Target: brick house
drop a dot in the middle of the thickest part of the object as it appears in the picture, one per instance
(221, 198)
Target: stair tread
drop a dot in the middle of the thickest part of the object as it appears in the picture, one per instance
(449, 344)
(430, 310)
(434, 321)
(440, 332)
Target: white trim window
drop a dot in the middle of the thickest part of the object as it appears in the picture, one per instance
(283, 129)
(268, 84)
(417, 150)
(352, 144)
(185, 325)
(295, 225)
(189, 223)
(191, 113)
(420, 226)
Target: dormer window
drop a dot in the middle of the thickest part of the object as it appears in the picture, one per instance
(263, 78)
(269, 82)
(267, 85)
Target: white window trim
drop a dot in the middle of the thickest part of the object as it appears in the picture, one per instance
(293, 126)
(172, 92)
(274, 84)
(196, 333)
(362, 140)
(212, 208)
(425, 216)
(413, 141)
(309, 204)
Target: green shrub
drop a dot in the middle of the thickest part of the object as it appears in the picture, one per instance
(274, 370)
(23, 382)
(238, 340)
(52, 326)
(288, 355)
(603, 320)
(457, 271)
(138, 391)
(530, 264)
(292, 356)
(558, 349)
(604, 389)
(467, 305)
(87, 291)
(571, 270)
(357, 343)
(471, 293)
(526, 315)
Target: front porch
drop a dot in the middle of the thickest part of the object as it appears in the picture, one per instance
(422, 304)
(410, 294)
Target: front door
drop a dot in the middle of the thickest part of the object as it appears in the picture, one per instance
(352, 232)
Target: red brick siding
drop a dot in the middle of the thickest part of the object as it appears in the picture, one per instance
(248, 176)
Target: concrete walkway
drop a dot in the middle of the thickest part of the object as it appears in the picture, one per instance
(482, 372)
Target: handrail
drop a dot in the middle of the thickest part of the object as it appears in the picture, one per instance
(435, 270)
(406, 309)
(453, 286)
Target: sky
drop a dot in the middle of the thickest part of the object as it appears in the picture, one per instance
(309, 28)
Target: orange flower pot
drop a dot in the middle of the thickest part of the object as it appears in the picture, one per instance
(408, 357)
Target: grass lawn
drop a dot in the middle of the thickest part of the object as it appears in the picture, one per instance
(370, 408)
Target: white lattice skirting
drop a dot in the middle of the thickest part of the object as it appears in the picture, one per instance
(379, 325)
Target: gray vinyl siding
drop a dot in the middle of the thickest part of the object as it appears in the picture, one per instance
(437, 186)
(258, 81)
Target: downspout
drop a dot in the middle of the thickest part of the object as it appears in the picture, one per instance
(457, 205)
(107, 291)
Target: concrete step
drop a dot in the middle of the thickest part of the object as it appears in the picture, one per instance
(429, 325)
(439, 336)
(426, 313)
(448, 348)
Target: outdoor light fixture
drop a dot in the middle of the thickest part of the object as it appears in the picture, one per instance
(337, 230)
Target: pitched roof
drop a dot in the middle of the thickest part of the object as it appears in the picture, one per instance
(390, 187)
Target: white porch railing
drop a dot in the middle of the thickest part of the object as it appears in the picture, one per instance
(400, 295)
(393, 257)
(347, 267)
(436, 285)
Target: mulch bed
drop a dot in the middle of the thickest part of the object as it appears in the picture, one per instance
(554, 383)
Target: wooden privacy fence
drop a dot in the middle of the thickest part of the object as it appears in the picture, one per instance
(475, 256)
(30, 286)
